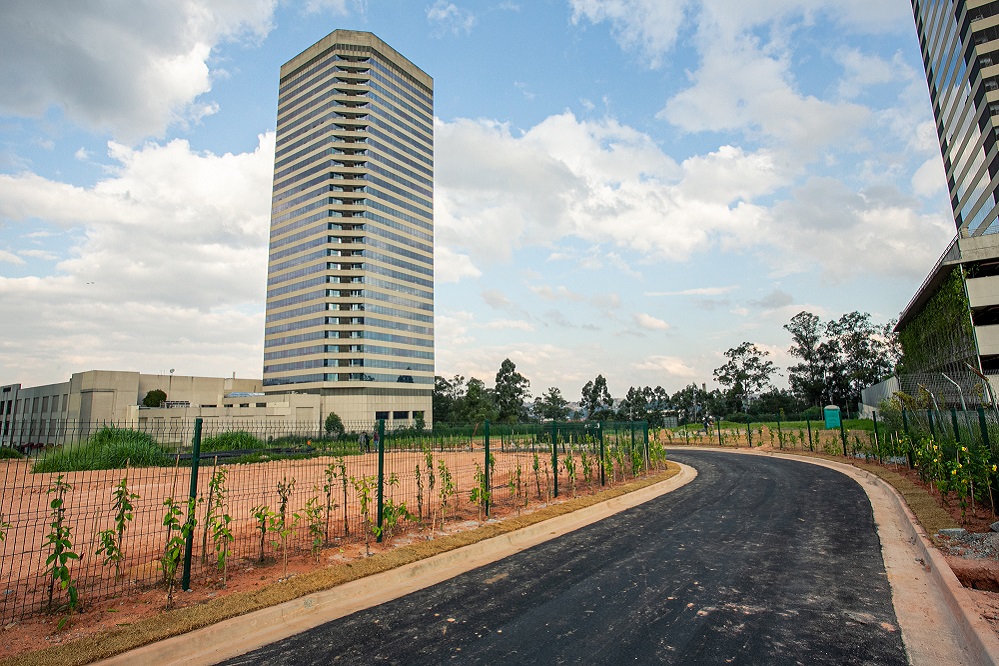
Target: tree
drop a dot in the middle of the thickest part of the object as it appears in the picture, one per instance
(839, 359)
(476, 405)
(551, 406)
(866, 357)
(596, 399)
(447, 395)
(807, 379)
(510, 392)
(689, 402)
(334, 426)
(635, 406)
(154, 398)
(746, 373)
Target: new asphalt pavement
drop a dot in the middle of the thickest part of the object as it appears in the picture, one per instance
(757, 561)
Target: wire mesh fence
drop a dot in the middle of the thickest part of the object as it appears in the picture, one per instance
(153, 505)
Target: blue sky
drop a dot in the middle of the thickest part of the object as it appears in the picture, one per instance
(625, 187)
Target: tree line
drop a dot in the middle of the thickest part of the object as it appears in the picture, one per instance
(836, 360)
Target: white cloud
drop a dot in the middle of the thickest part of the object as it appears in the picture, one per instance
(649, 322)
(648, 26)
(930, 179)
(448, 17)
(132, 69)
(758, 98)
(697, 291)
(845, 232)
(170, 248)
(451, 266)
(508, 324)
(10, 258)
(671, 365)
(82, 154)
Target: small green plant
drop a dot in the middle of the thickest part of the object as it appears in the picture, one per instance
(112, 541)
(536, 468)
(569, 465)
(586, 462)
(4, 526)
(428, 466)
(313, 513)
(261, 513)
(217, 522)
(341, 472)
(419, 492)
(479, 494)
(279, 524)
(363, 486)
(60, 540)
(447, 488)
(177, 533)
(330, 472)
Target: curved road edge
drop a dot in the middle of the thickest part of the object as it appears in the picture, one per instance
(245, 633)
(936, 614)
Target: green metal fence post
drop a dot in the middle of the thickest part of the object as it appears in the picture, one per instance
(877, 445)
(957, 431)
(600, 436)
(381, 476)
(488, 473)
(929, 417)
(780, 435)
(719, 432)
(749, 434)
(554, 459)
(808, 423)
(984, 426)
(909, 456)
(842, 432)
(185, 583)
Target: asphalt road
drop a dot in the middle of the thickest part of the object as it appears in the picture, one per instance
(757, 561)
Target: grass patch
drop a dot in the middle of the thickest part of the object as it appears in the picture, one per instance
(9, 452)
(183, 620)
(108, 448)
(234, 440)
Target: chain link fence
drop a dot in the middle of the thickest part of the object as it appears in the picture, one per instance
(151, 506)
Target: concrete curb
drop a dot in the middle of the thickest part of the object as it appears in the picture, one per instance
(239, 635)
(980, 639)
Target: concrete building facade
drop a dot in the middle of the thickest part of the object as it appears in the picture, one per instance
(959, 42)
(350, 290)
(37, 416)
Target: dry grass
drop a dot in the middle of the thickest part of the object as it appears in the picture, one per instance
(180, 621)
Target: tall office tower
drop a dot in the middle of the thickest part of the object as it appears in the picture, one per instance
(959, 40)
(350, 277)
(951, 325)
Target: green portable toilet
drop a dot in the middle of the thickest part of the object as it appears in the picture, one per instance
(832, 416)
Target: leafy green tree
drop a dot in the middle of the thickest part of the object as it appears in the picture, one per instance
(476, 405)
(334, 426)
(154, 398)
(596, 399)
(551, 406)
(635, 405)
(690, 402)
(446, 398)
(510, 392)
(746, 373)
(807, 378)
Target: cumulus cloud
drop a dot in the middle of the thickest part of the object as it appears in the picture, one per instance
(648, 26)
(649, 322)
(130, 69)
(670, 365)
(598, 181)
(448, 17)
(171, 247)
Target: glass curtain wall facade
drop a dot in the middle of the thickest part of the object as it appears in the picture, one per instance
(959, 41)
(350, 280)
